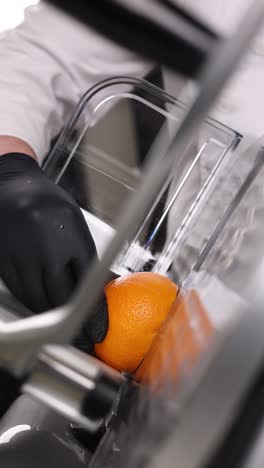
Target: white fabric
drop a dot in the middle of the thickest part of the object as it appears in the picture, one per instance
(49, 61)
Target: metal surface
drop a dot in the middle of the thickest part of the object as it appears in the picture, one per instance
(75, 385)
(65, 379)
(213, 407)
(256, 455)
(31, 434)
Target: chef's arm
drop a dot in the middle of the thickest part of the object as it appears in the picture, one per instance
(12, 144)
(47, 64)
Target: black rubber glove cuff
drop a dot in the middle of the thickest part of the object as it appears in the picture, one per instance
(45, 243)
(16, 163)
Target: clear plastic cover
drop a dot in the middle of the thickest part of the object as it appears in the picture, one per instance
(100, 155)
(235, 251)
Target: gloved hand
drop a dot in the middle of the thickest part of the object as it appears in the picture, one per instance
(45, 244)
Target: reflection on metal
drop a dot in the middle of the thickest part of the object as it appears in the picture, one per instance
(12, 432)
(75, 385)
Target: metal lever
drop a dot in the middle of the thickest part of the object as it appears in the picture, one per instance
(75, 385)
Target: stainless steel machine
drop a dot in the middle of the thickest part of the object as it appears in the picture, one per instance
(61, 406)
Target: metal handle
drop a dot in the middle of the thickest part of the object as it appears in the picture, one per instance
(75, 385)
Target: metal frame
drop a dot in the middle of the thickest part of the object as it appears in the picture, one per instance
(20, 340)
(217, 400)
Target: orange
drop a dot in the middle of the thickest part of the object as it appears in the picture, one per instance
(178, 345)
(137, 305)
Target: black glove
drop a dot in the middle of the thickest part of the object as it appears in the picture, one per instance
(45, 244)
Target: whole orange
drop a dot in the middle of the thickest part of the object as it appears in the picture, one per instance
(137, 305)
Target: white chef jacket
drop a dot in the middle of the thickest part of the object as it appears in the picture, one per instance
(50, 60)
(47, 63)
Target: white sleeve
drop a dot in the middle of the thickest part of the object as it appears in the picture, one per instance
(46, 65)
